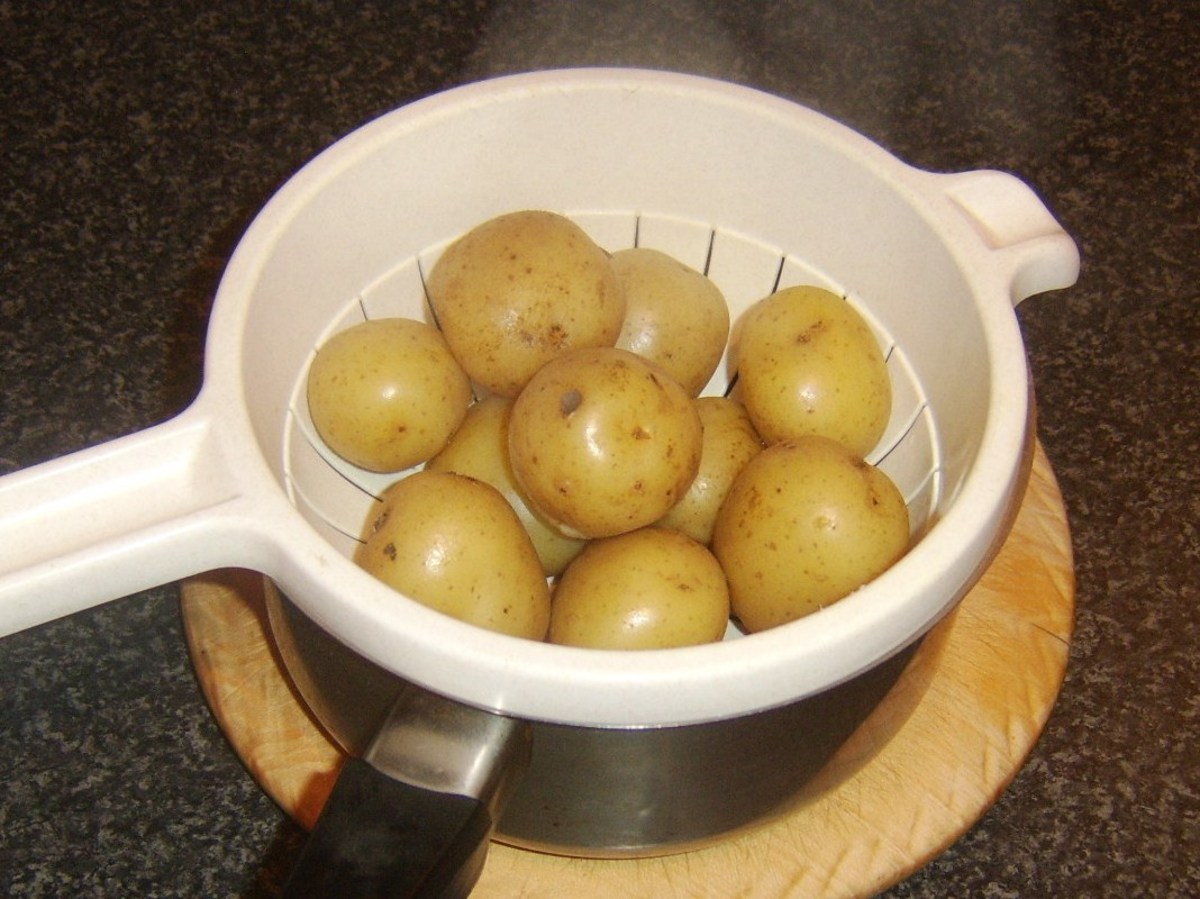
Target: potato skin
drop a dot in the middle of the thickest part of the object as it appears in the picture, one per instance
(807, 363)
(517, 290)
(652, 588)
(479, 449)
(454, 544)
(602, 441)
(806, 522)
(730, 441)
(674, 315)
(386, 394)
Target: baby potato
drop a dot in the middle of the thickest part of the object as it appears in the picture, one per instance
(674, 315)
(602, 441)
(517, 290)
(730, 441)
(807, 363)
(386, 394)
(479, 448)
(455, 544)
(805, 523)
(651, 588)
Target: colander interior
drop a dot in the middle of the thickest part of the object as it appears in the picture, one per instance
(336, 497)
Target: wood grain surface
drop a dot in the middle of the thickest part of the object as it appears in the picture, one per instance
(927, 763)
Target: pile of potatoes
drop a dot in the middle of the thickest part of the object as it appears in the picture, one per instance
(573, 484)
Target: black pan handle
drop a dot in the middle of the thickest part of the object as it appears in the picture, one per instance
(413, 817)
(378, 836)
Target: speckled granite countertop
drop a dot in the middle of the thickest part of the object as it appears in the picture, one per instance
(139, 139)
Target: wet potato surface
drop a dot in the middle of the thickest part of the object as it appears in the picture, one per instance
(603, 441)
(517, 290)
(477, 564)
(386, 394)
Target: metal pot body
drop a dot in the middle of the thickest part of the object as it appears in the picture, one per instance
(599, 791)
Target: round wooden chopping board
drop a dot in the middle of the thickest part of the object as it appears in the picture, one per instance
(927, 763)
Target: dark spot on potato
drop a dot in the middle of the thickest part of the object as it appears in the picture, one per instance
(812, 332)
(640, 433)
(389, 550)
(569, 402)
(557, 336)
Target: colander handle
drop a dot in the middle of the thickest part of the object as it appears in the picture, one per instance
(110, 520)
(1017, 229)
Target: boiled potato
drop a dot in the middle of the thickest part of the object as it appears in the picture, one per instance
(651, 588)
(807, 363)
(386, 394)
(455, 544)
(806, 522)
(730, 441)
(517, 290)
(674, 315)
(479, 448)
(602, 441)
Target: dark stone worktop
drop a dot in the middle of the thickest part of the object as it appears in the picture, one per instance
(139, 139)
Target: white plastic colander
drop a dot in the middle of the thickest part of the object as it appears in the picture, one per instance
(754, 190)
